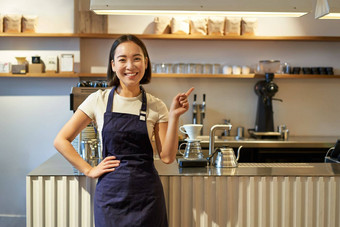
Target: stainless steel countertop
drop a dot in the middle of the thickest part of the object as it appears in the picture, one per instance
(58, 166)
(292, 142)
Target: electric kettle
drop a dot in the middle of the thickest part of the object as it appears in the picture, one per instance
(225, 157)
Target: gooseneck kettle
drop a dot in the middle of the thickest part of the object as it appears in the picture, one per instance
(225, 157)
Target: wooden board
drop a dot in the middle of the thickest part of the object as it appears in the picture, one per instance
(86, 21)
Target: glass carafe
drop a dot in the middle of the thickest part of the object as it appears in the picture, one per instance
(192, 150)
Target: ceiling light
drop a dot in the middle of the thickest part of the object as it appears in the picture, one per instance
(327, 9)
(242, 8)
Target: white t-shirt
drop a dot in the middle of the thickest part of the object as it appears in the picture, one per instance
(94, 106)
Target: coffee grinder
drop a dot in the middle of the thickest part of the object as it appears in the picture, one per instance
(264, 125)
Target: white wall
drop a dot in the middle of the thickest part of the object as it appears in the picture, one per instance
(33, 110)
(54, 16)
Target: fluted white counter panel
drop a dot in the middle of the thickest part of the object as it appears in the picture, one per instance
(202, 201)
(251, 195)
(254, 201)
(59, 201)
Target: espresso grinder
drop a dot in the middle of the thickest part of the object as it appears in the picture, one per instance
(264, 125)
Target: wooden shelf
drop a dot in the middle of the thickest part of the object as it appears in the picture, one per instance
(39, 35)
(176, 37)
(41, 75)
(304, 76)
(247, 76)
(173, 75)
(172, 37)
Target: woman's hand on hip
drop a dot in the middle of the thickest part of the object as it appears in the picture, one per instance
(107, 165)
(180, 103)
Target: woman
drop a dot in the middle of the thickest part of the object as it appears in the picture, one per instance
(129, 191)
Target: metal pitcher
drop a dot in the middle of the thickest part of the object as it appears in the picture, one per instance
(226, 157)
(89, 151)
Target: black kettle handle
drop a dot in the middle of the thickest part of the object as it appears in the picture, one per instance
(212, 155)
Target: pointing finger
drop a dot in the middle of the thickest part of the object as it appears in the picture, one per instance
(189, 91)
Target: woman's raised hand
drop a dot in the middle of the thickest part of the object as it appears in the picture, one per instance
(180, 103)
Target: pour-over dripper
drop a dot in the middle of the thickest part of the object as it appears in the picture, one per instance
(192, 130)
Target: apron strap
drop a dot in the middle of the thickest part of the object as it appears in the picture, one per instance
(110, 100)
(142, 113)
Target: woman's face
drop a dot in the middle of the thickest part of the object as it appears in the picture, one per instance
(129, 64)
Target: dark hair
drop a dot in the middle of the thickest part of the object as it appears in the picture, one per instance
(112, 78)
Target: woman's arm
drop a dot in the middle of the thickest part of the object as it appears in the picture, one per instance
(166, 134)
(63, 140)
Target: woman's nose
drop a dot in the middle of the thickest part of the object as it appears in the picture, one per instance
(129, 65)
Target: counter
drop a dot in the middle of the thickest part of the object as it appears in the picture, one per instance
(253, 194)
(292, 142)
(295, 149)
(58, 166)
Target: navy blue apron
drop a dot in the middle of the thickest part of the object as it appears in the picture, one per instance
(132, 195)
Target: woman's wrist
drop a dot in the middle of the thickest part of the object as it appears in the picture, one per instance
(173, 116)
(86, 171)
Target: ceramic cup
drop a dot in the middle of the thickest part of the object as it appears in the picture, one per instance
(245, 69)
(192, 130)
(236, 70)
(227, 69)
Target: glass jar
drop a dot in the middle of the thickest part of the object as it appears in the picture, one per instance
(180, 68)
(191, 68)
(168, 68)
(216, 69)
(207, 69)
(198, 68)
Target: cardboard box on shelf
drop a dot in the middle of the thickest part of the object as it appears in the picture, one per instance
(36, 68)
(19, 69)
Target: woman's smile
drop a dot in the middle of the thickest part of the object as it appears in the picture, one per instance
(132, 75)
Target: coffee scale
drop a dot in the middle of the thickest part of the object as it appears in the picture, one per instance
(192, 155)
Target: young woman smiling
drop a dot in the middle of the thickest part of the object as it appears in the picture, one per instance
(129, 191)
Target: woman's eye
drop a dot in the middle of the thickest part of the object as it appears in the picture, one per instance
(121, 60)
(138, 59)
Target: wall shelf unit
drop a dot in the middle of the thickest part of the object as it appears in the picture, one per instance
(173, 37)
